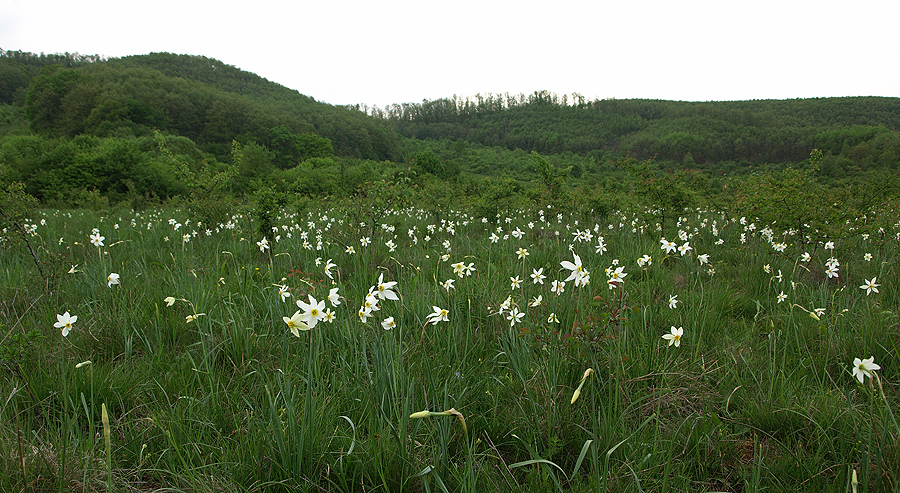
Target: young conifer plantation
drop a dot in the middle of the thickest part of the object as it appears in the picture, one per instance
(330, 300)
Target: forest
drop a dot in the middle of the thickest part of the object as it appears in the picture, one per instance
(79, 130)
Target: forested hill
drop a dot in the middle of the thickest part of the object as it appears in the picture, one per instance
(196, 97)
(863, 130)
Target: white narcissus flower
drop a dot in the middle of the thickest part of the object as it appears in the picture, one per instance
(384, 289)
(96, 239)
(312, 311)
(558, 287)
(537, 275)
(170, 300)
(576, 268)
(870, 286)
(284, 293)
(388, 323)
(514, 316)
(515, 282)
(328, 266)
(863, 368)
(295, 323)
(439, 315)
(674, 336)
(673, 301)
(65, 322)
(668, 246)
(333, 297)
(113, 278)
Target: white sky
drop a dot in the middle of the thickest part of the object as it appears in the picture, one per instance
(394, 51)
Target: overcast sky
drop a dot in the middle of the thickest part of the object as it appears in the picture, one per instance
(394, 51)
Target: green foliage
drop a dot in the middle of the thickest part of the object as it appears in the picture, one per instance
(667, 193)
(794, 198)
(710, 133)
(209, 199)
(552, 179)
(267, 206)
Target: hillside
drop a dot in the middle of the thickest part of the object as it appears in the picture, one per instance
(196, 97)
(855, 133)
(75, 127)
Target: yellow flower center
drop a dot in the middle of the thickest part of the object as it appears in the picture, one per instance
(314, 312)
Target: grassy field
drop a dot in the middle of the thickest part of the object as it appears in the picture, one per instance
(725, 363)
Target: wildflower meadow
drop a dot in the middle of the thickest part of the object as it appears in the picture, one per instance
(448, 352)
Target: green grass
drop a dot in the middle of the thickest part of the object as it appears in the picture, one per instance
(758, 396)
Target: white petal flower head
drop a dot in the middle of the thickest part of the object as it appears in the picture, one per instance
(284, 293)
(328, 266)
(113, 278)
(439, 315)
(96, 239)
(312, 311)
(863, 368)
(870, 286)
(558, 287)
(673, 301)
(295, 323)
(65, 322)
(384, 289)
(674, 336)
(515, 282)
(170, 300)
(333, 297)
(668, 246)
(388, 323)
(515, 316)
(575, 267)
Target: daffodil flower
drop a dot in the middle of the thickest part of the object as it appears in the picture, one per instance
(111, 279)
(673, 301)
(383, 289)
(870, 286)
(863, 368)
(65, 322)
(284, 293)
(333, 297)
(295, 323)
(674, 337)
(439, 315)
(312, 311)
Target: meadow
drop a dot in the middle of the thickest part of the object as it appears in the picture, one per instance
(534, 351)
